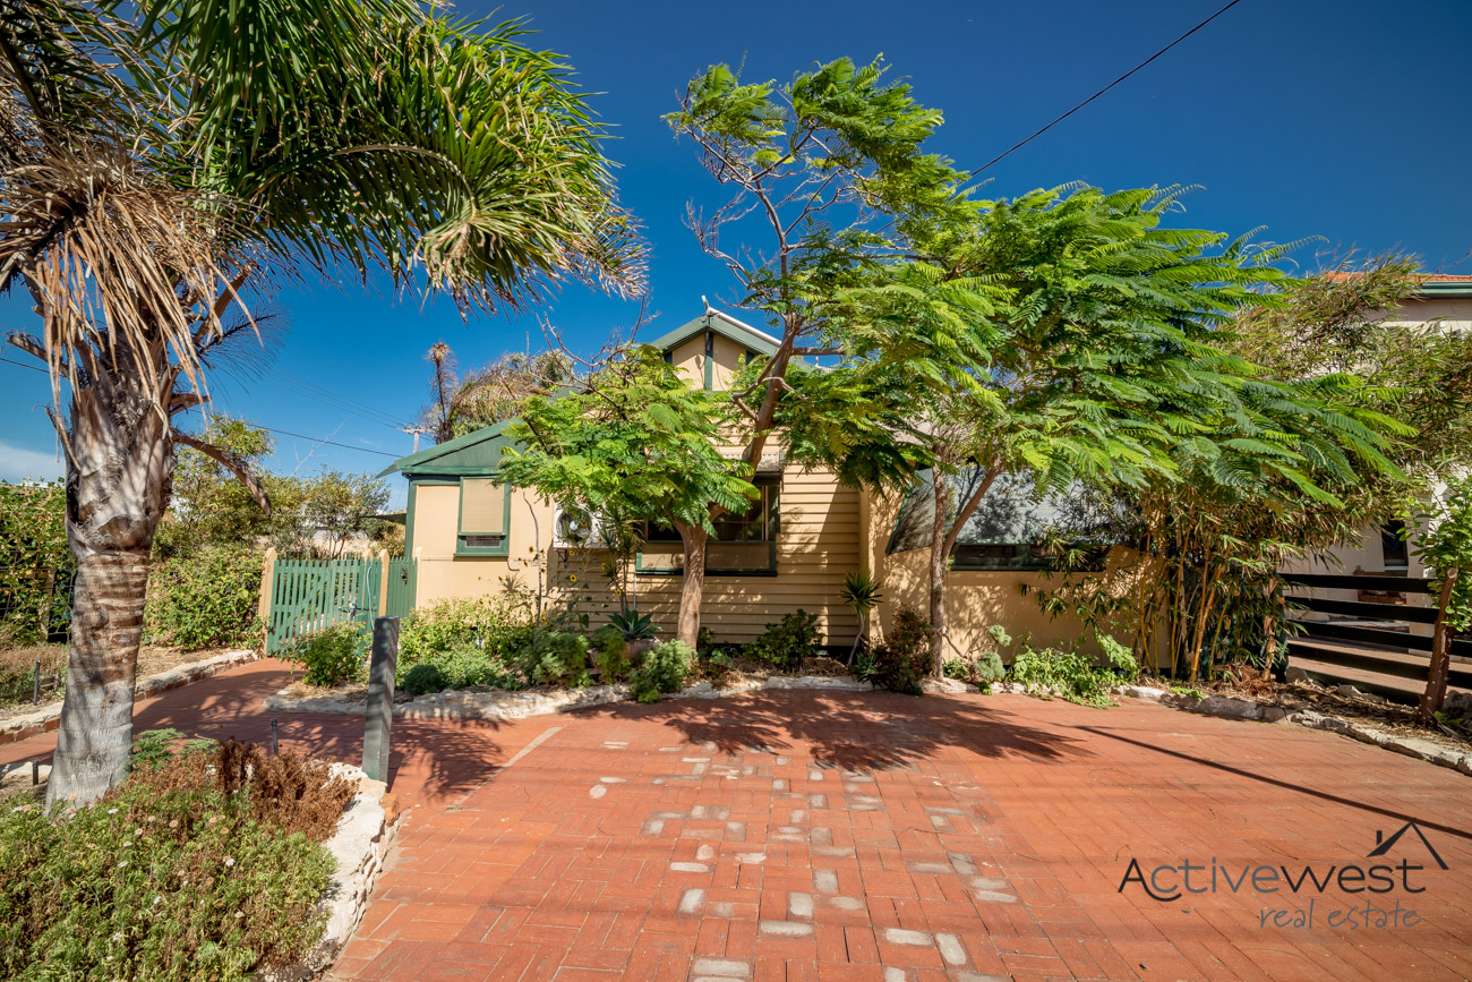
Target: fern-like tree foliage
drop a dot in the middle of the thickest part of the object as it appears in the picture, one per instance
(634, 439)
(1072, 335)
(159, 160)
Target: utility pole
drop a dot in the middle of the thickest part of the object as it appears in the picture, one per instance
(415, 431)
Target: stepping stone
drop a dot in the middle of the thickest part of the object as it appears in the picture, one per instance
(900, 935)
(950, 949)
(847, 903)
(691, 900)
(787, 929)
(825, 881)
(936, 869)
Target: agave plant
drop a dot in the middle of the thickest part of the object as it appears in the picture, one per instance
(634, 626)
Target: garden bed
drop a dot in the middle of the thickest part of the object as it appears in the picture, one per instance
(1343, 710)
(215, 860)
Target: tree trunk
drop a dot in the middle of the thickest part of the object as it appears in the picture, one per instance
(692, 590)
(1441, 651)
(120, 464)
(938, 557)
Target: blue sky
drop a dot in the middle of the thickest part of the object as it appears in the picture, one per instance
(1347, 119)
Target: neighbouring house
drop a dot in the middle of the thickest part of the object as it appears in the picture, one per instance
(471, 534)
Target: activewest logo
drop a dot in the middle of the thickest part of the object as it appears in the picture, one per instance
(1389, 877)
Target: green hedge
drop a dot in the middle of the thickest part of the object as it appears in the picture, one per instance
(205, 600)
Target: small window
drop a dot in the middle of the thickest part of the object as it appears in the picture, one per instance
(744, 545)
(485, 513)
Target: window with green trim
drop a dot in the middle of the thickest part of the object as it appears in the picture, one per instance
(485, 517)
(744, 545)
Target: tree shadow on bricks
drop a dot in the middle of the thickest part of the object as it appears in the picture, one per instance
(853, 730)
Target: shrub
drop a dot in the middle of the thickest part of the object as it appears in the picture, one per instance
(785, 644)
(335, 655)
(983, 669)
(170, 876)
(486, 623)
(549, 657)
(206, 600)
(610, 654)
(900, 663)
(422, 678)
(1074, 676)
(663, 670)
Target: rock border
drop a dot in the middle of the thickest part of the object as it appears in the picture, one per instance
(1231, 707)
(464, 704)
(48, 717)
(359, 851)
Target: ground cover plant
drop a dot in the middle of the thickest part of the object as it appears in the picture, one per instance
(205, 863)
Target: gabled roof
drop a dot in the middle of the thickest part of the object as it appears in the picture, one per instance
(480, 452)
(473, 453)
(723, 324)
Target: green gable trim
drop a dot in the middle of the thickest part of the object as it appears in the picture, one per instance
(727, 327)
(1451, 290)
(477, 453)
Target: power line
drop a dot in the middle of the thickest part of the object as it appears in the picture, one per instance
(1061, 117)
(260, 426)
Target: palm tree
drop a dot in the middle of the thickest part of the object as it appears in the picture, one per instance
(159, 159)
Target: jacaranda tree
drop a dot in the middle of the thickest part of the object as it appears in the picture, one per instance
(159, 159)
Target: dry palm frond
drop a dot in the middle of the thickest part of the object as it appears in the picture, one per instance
(131, 276)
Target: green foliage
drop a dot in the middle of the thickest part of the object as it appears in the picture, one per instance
(633, 625)
(902, 661)
(860, 592)
(35, 563)
(785, 644)
(982, 670)
(153, 747)
(1447, 545)
(165, 878)
(610, 654)
(549, 657)
(487, 623)
(423, 678)
(205, 600)
(631, 439)
(663, 670)
(1075, 676)
(336, 655)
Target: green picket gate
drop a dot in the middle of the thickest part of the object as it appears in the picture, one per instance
(400, 587)
(308, 595)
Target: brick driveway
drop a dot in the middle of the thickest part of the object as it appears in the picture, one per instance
(798, 835)
(865, 836)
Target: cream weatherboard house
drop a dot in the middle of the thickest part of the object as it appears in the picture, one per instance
(470, 534)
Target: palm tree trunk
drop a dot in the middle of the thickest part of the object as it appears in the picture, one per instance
(120, 463)
(693, 539)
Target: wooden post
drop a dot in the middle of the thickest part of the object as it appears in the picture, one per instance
(378, 720)
(1441, 651)
(268, 585)
(382, 582)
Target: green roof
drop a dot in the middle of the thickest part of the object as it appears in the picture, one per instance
(473, 453)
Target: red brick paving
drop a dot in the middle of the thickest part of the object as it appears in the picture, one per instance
(799, 835)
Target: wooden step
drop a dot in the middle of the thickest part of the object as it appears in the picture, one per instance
(1392, 687)
(1403, 664)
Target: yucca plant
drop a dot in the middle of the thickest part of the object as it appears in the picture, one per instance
(160, 159)
(860, 594)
